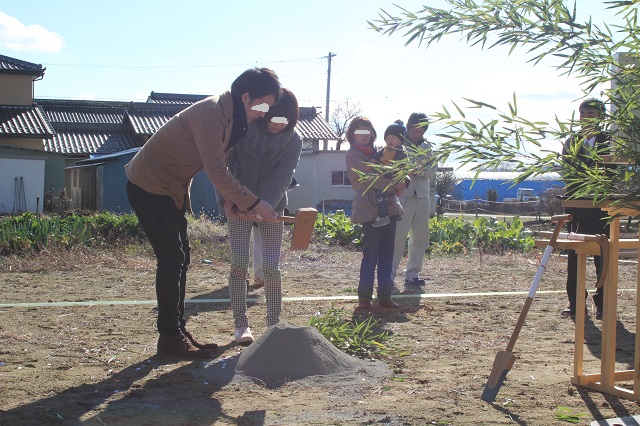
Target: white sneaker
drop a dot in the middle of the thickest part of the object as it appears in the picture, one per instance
(243, 336)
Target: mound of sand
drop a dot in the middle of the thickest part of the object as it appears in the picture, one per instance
(287, 352)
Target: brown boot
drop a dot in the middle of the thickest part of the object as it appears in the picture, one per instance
(180, 347)
(387, 302)
(364, 305)
(194, 342)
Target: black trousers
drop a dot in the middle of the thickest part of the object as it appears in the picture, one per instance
(166, 228)
(585, 221)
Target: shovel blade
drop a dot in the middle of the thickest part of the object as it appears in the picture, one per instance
(501, 366)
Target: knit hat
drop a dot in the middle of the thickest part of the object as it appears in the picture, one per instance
(397, 130)
(418, 118)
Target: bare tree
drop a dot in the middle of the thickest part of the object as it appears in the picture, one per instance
(341, 116)
(445, 183)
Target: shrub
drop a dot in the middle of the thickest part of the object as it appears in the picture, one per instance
(337, 228)
(492, 194)
(450, 235)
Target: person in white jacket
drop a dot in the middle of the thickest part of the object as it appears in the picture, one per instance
(419, 204)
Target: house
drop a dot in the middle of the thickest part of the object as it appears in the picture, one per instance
(84, 129)
(81, 146)
(138, 121)
(27, 170)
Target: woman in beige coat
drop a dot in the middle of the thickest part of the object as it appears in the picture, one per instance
(160, 176)
(378, 241)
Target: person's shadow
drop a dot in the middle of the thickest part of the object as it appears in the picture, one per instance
(625, 342)
(409, 304)
(184, 395)
(625, 353)
(218, 300)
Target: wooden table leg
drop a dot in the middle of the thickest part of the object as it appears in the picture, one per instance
(578, 352)
(608, 360)
(636, 358)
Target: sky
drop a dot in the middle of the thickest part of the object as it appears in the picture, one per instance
(124, 50)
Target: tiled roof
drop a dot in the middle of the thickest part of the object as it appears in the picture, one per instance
(21, 121)
(174, 98)
(10, 65)
(82, 112)
(87, 142)
(147, 118)
(312, 126)
(85, 127)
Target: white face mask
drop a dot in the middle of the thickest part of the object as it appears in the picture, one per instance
(263, 107)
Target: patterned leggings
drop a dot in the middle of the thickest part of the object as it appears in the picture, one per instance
(239, 236)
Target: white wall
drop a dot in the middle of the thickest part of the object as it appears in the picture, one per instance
(21, 182)
(314, 176)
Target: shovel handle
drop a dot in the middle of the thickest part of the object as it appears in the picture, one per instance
(559, 220)
(288, 219)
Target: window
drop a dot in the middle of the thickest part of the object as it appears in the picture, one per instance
(340, 178)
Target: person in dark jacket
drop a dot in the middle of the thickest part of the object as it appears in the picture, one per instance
(576, 154)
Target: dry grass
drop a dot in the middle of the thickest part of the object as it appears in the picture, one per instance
(208, 239)
(136, 257)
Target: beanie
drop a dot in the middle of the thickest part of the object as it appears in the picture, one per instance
(395, 129)
(418, 118)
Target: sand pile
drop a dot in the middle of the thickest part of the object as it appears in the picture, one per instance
(286, 352)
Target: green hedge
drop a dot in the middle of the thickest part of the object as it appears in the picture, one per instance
(449, 235)
(28, 232)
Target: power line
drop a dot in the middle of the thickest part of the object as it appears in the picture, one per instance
(184, 65)
(360, 79)
(300, 69)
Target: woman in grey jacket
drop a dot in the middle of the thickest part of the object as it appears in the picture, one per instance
(264, 162)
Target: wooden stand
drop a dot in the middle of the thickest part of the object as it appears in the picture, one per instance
(605, 381)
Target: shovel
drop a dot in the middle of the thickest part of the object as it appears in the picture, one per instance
(505, 359)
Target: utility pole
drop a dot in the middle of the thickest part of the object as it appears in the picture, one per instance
(331, 55)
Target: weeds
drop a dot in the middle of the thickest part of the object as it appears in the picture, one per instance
(566, 414)
(28, 233)
(354, 337)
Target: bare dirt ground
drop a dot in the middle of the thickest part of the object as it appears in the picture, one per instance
(95, 364)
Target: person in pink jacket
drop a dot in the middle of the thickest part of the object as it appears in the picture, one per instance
(160, 176)
(377, 252)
